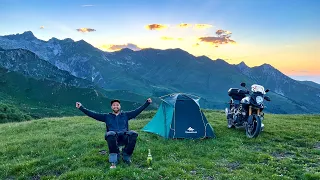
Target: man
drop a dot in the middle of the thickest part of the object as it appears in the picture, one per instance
(118, 132)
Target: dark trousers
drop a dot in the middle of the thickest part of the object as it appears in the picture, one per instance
(127, 139)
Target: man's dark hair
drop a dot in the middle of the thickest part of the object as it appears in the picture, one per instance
(115, 100)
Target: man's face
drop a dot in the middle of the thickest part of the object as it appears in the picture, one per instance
(115, 107)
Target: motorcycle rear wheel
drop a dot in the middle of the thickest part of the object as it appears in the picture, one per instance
(255, 129)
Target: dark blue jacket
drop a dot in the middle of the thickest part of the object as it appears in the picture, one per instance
(117, 123)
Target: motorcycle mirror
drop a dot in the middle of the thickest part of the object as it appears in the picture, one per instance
(267, 90)
(243, 84)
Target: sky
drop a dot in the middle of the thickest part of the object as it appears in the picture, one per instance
(283, 33)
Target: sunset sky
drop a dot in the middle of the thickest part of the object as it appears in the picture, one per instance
(283, 33)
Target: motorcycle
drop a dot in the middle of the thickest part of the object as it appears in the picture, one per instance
(246, 108)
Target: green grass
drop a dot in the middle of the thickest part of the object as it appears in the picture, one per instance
(68, 148)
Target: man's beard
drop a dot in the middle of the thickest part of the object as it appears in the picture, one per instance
(116, 111)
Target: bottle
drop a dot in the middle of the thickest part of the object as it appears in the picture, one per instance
(149, 160)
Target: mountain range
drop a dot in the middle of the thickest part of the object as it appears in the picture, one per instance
(151, 72)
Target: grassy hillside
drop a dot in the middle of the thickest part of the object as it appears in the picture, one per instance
(9, 113)
(46, 98)
(68, 148)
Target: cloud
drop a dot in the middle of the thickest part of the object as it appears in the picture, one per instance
(220, 32)
(202, 26)
(184, 25)
(155, 27)
(171, 38)
(85, 30)
(87, 5)
(116, 47)
(41, 27)
(167, 38)
(217, 40)
(181, 25)
(223, 37)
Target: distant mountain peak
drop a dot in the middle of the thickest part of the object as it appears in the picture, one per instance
(265, 65)
(27, 35)
(243, 66)
(221, 61)
(81, 41)
(68, 40)
(53, 39)
(174, 51)
(126, 50)
(179, 50)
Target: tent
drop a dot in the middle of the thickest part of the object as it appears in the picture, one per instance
(179, 116)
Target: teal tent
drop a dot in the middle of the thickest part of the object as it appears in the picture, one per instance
(179, 116)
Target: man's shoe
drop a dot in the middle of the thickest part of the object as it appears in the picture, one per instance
(126, 158)
(128, 162)
(113, 159)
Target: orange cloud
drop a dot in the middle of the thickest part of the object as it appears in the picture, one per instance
(116, 47)
(223, 37)
(184, 25)
(217, 40)
(202, 26)
(155, 27)
(85, 30)
(220, 31)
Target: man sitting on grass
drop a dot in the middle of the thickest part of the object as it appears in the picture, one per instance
(117, 130)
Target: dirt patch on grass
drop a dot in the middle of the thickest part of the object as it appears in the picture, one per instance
(37, 177)
(233, 165)
(103, 152)
(208, 178)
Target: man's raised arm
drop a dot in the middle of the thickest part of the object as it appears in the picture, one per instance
(94, 115)
(136, 112)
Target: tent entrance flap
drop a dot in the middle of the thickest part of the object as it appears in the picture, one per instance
(160, 123)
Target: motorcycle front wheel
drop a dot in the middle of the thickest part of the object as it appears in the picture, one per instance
(253, 130)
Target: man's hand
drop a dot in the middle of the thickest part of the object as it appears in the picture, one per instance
(78, 105)
(149, 100)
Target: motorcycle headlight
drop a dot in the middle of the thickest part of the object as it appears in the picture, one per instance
(259, 99)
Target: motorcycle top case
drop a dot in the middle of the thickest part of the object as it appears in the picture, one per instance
(237, 94)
